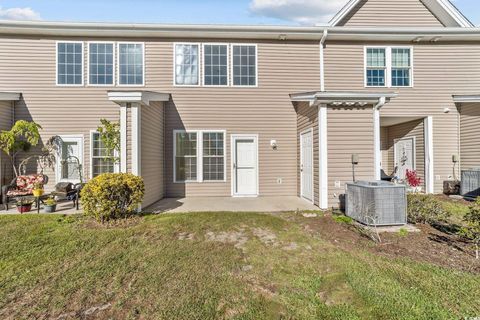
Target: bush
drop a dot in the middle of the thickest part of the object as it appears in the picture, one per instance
(423, 208)
(472, 228)
(112, 196)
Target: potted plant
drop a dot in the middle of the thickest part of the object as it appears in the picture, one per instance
(50, 205)
(413, 181)
(38, 189)
(24, 205)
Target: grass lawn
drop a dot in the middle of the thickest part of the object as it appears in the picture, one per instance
(213, 266)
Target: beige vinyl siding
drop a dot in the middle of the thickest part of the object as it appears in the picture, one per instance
(407, 130)
(6, 172)
(283, 68)
(307, 118)
(27, 65)
(350, 131)
(470, 135)
(152, 157)
(440, 70)
(405, 13)
(384, 149)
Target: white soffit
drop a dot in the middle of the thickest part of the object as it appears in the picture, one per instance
(466, 98)
(341, 99)
(141, 97)
(444, 10)
(9, 96)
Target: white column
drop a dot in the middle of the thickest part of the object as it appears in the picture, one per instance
(136, 139)
(323, 156)
(123, 137)
(428, 135)
(376, 143)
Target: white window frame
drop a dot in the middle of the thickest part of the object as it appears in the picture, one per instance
(118, 64)
(204, 65)
(200, 67)
(114, 79)
(116, 166)
(256, 64)
(70, 138)
(200, 156)
(56, 64)
(389, 67)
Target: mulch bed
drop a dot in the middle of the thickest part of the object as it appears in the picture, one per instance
(438, 245)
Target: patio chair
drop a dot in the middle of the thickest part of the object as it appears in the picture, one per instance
(385, 177)
(21, 186)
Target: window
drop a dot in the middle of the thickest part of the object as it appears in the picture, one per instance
(186, 64)
(213, 156)
(244, 65)
(401, 67)
(69, 63)
(215, 57)
(185, 156)
(69, 166)
(101, 161)
(376, 67)
(199, 156)
(130, 64)
(388, 67)
(100, 63)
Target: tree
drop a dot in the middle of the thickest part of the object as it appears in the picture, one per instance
(22, 136)
(472, 228)
(110, 137)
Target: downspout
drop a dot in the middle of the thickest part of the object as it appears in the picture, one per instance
(322, 64)
(322, 135)
(376, 137)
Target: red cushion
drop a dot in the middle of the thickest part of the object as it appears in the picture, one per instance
(17, 193)
(28, 181)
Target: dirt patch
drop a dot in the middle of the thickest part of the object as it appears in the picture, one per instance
(430, 245)
(265, 236)
(185, 236)
(237, 238)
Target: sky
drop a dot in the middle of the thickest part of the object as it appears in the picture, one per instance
(284, 12)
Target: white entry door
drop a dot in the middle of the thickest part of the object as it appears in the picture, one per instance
(306, 165)
(245, 165)
(404, 156)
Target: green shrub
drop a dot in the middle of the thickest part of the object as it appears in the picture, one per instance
(423, 208)
(472, 228)
(112, 196)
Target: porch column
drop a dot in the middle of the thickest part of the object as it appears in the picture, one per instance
(136, 139)
(123, 137)
(428, 136)
(323, 156)
(376, 144)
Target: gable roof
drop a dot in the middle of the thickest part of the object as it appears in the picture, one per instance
(444, 10)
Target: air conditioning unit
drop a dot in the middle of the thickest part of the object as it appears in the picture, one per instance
(470, 184)
(378, 203)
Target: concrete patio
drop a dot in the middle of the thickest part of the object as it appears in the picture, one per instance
(219, 204)
(62, 208)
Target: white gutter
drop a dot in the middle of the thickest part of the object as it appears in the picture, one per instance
(322, 63)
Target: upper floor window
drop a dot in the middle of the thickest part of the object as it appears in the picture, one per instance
(215, 68)
(401, 67)
(244, 65)
(70, 63)
(101, 63)
(388, 67)
(130, 62)
(187, 64)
